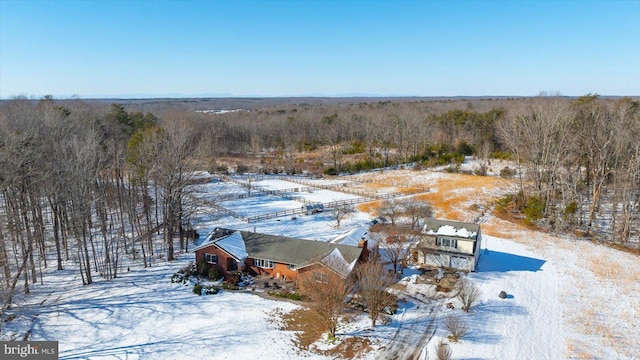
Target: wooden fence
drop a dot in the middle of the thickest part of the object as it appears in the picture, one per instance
(364, 195)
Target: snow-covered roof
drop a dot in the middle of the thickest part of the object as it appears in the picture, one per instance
(335, 261)
(451, 228)
(282, 249)
(234, 245)
(351, 237)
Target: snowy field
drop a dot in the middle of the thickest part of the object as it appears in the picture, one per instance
(260, 205)
(275, 184)
(566, 300)
(141, 315)
(323, 196)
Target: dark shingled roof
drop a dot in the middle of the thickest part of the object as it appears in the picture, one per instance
(284, 249)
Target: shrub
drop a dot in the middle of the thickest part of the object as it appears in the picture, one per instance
(222, 169)
(503, 202)
(197, 289)
(534, 210)
(183, 275)
(288, 295)
(464, 148)
(179, 278)
(443, 352)
(507, 172)
(452, 169)
(502, 155)
(214, 273)
(357, 147)
(202, 268)
(570, 209)
(242, 168)
(468, 294)
(211, 290)
(233, 279)
(457, 328)
(331, 171)
(481, 171)
(228, 286)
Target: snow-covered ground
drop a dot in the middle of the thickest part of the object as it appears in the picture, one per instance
(142, 315)
(566, 299)
(259, 205)
(323, 196)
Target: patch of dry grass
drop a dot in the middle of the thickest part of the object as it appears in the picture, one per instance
(305, 325)
(304, 322)
(605, 268)
(369, 208)
(350, 348)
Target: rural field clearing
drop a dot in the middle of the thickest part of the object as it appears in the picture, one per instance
(567, 298)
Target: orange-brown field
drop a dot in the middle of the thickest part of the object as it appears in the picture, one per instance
(452, 196)
(588, 313)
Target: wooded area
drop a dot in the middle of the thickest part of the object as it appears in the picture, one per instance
(91, 183)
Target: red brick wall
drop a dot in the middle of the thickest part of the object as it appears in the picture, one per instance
(278, 268)
(306, 274)
(223, 258)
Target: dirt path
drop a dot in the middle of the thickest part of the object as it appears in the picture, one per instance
(416, 328)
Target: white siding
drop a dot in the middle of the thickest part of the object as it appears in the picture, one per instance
(465, 246)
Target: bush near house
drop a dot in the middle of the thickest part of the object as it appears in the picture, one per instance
(214, 273)
(183, 275)
(288, 295)
(208, 289)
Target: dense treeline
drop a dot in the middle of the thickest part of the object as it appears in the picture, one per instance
(86, 184)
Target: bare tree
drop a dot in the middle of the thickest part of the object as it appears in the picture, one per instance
(172, 149)
(372, 284)
(397, 246)
(456, 326)
(468, 293)
(417, 210)
(340, 212)
(391, 209)
(328, 293)
(540, 133)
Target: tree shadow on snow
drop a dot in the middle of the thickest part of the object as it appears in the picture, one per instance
(496, 261)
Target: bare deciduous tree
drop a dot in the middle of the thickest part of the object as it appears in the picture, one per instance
(172, 151)
(372, 284)
(417, 210)
(328, 293)
(340, 212)
(456, 326)
(391, 209)
(397, 246)
(468, 293)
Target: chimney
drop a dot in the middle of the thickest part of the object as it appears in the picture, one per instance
(364, 255)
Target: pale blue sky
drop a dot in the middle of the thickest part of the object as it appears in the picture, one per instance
(119, 48)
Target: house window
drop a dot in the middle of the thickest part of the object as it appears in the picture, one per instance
(444, 242)
(267, 264)
(211, 258)
(321, 277)
(291, 266)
